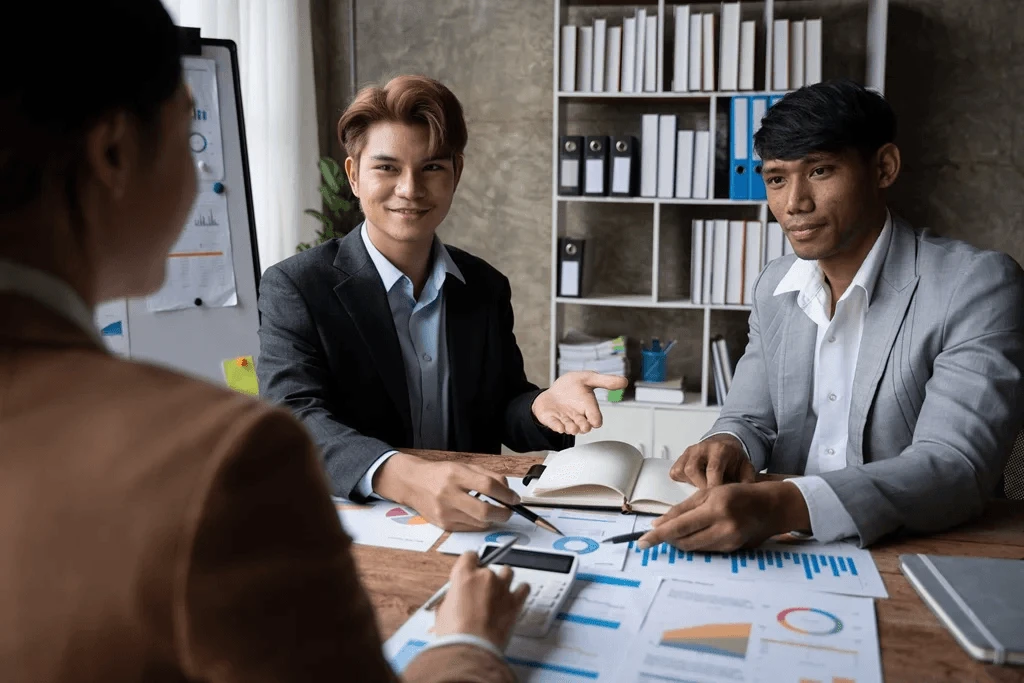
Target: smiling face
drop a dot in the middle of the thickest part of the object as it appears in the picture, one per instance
(829, 202)
(404, 191)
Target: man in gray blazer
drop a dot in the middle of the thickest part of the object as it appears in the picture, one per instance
(884, 363)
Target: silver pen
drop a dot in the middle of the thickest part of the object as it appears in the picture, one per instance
(484, 561)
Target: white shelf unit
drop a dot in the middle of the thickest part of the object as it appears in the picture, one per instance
(665, 430)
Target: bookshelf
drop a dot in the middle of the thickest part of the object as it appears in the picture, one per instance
(665, 430)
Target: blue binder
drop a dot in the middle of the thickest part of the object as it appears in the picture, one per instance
(739, 149)
(758, 107)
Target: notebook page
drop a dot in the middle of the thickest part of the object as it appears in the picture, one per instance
(612, 464)
(654, 484)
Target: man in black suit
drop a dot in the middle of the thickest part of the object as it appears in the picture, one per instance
(387, 339)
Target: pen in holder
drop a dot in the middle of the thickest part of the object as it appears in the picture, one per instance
(653, 369)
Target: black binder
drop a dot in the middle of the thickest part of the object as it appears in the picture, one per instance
(570, 267)
(595, 165)
(570, 165)
(625, 166)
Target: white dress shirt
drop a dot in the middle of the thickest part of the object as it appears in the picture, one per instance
(420, 324)
(835, 362)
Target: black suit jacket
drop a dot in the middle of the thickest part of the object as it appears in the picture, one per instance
(329, 352)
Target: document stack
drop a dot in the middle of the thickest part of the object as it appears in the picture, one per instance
(726, 257)
(581, 352)
(721, 366)
(603, 58)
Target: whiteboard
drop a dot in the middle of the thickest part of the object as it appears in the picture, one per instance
(196, 340)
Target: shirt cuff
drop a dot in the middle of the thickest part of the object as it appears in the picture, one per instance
(829, 519)
(465, 639)
(745, 451)
(365, 486)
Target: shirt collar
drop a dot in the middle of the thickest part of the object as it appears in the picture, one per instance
(806, 276)
(50, 291)
(389, 274)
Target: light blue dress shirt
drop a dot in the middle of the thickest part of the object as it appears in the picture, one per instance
(420, 324)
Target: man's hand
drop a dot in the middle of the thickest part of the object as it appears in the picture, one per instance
(480, 603)
(569, 406)
(440, 491)
(724, 518)
(718, 459)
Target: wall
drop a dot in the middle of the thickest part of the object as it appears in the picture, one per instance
(953, 75)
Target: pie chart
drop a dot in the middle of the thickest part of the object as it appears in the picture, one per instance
(403, 516)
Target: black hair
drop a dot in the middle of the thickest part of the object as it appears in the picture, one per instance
(65, 64)
(826, 117)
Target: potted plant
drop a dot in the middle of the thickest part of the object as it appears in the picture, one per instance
(337, 204)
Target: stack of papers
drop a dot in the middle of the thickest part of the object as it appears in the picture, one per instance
(581, 352)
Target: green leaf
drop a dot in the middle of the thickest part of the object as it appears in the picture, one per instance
(331, 172)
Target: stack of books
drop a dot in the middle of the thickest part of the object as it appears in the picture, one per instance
(580, 352)
(721, 366)
(669, 392)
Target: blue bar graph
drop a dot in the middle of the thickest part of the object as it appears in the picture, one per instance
(807, 565)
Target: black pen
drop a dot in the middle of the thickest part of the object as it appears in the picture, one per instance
(625, 538)
(527, 513)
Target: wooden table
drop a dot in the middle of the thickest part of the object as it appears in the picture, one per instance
(915, 646)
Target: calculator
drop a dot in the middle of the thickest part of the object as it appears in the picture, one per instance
(549, 573)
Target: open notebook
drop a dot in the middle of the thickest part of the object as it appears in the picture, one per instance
(606, 474)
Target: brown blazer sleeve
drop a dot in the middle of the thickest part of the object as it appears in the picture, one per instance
(267, 588)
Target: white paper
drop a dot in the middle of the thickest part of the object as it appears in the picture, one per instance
(839, 567)
(585, 643)
(722, 631)
(583, 531)
(111, 319)
(207, 146)
(199, 266)
(386, 524)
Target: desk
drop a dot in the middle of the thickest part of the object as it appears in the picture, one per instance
(915, 646)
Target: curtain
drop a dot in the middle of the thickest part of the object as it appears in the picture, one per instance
(275, 58)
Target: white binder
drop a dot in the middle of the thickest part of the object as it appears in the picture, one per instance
(649, 155)
(708, 80)
(667, 124)
(641, 50)
(613, 64)
(585, 59)
(729, 53)
(753, 253)
(701, 159)
(651, 56)
(681, 49)
(684, 164)
(796, 54)
(568, 80)
(812, 52)
(780, 55)
(748, 35)
(600, 37)
(696, 52)
(628, 53)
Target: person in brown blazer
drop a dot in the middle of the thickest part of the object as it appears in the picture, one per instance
(153, 527)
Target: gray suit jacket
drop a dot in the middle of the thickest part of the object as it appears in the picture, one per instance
(935, 398)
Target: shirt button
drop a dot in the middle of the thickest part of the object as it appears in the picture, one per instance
(830, 451)
(832, 397)
(427, 357)
(831, 339)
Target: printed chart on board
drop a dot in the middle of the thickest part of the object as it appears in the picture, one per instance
(839, 567)
(583, 531)
(727, 631)
(586, 642)
(386, 524)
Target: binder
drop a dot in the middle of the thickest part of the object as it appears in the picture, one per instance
(753, 253)
(570, 165)
(709, 253)
(734, 269)
(628, 53)
(585, 59)
(641, 50)
(667, 124)
(720, 262)
(758, 107)
(708, 80)
(697, 262)
(625, 166)
(649, 155)
(681, 49)
(651, 55)
(796, 54)
(595, 165)
(729, 50)
(568, 59)
(613, 66)
(684, 164)
(780, 55)
(696, 52)
(739, 149)
(748, 40)
(570, 267)
(701, 160)
(812, 52)
(600, 37)
(773, 242)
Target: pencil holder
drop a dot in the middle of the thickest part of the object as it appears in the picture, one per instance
(653, 369)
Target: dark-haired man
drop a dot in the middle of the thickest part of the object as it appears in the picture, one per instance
(884, 363)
